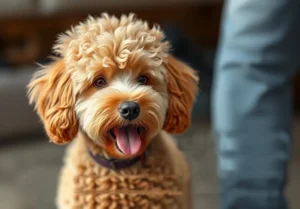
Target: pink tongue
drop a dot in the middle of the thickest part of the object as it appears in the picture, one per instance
(128, 139)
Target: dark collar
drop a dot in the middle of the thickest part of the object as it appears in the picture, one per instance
(117, 164)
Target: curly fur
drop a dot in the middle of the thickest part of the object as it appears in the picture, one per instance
(120, 50)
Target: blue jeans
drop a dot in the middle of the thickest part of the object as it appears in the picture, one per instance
(257, 57)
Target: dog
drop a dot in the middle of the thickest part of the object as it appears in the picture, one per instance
(117, 93)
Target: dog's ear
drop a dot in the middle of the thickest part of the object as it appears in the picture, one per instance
(51, 91)
(182, 84)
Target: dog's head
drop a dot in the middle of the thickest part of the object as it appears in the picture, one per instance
(115, 82)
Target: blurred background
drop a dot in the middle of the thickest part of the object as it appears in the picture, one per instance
(29, 164)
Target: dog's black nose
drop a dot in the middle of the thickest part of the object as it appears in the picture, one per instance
(129, 110)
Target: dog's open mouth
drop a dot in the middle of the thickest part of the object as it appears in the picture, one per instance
(127, 138)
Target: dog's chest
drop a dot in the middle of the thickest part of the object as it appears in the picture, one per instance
(154, 184)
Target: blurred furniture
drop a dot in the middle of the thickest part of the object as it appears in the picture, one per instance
(16, 116)
(29, 27)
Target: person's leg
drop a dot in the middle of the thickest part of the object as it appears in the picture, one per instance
(258, 55)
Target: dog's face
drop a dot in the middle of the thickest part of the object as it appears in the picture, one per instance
(115, 83)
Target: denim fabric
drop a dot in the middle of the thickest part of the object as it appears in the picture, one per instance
(251, 107)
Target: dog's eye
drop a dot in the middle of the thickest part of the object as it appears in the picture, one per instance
(100, 82)
(143, 80)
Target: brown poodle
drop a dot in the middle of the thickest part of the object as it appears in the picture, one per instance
(114, 90)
